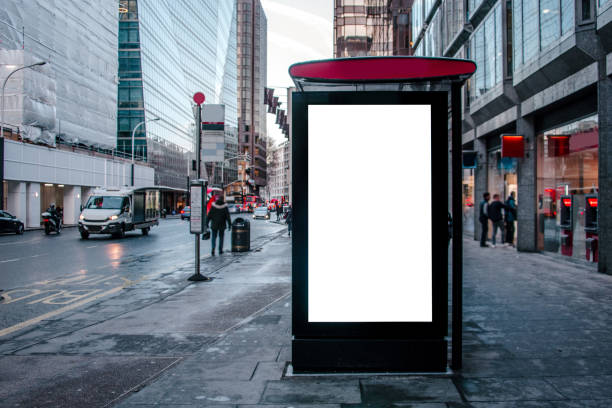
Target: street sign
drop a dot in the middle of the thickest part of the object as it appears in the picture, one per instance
(199, 98)
(196, 220)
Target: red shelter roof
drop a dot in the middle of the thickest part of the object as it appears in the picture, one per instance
(382, 69)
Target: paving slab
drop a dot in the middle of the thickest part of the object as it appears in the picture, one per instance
(409, 389)
(311, 391)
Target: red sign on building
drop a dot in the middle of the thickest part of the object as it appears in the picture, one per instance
(513, 146)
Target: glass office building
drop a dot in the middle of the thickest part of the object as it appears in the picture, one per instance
(544, 73)
(168, 50)
(371, 27)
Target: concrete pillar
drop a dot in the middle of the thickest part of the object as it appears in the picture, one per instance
(16, 199)
(480, 181)
(526, 195)
(85, 192)
(72, 204)
(33, 209)
(604, 112)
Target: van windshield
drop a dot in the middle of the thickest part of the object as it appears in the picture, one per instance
(105, 202)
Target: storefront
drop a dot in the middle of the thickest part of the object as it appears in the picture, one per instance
(468, 200)
(567, 176)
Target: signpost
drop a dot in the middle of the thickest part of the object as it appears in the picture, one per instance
(198, 189)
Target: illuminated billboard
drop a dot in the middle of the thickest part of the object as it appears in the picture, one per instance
(370, 202)
(369, 213)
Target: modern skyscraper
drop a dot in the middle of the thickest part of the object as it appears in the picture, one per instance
(371, 27)
(168, 50)
(252, 55)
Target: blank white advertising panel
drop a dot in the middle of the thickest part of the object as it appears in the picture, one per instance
(369, 213)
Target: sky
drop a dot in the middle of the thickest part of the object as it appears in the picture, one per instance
(297, 31)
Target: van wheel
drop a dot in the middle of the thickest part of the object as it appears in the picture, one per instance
(121, 233)
(84, 234)
(145, 231)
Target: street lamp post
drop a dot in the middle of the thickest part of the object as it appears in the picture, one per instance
(245, 156)
(133, 133)
(2, 128)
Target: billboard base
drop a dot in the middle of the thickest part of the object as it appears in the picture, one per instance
(368, 355)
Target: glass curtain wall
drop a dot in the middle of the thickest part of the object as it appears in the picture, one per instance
(130, 99)
(162, 63)
(486, 49)
(537, 25)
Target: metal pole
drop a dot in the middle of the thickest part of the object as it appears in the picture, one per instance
(457, 255)
(133, 133)
(2, 130)
(198, 158)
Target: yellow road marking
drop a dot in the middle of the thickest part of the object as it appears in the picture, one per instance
(40, 318)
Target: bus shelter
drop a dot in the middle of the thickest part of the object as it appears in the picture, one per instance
(370, 157)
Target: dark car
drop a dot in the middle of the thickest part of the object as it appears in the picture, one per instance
(186, 213)
(10, 223)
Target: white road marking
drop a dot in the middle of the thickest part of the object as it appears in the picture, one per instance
(10, 260)
(93, 246)
(55, 312)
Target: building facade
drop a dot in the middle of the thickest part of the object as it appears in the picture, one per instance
(169, 50)
(372, 27)
(543, 73)
(60, 118)
(252, 71)
(279, 175)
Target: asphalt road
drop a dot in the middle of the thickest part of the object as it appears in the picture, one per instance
(86, 323)
(41, 274)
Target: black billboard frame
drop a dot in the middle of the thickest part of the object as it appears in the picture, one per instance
(370, 346)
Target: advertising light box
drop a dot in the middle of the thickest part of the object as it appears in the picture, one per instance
(369, 213)
(370, 202)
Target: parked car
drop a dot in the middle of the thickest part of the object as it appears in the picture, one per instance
(233, 209)
(186, 213)
(10, 223)
(261, 212)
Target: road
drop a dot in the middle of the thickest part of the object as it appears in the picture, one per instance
(86, 323)
(42, 274)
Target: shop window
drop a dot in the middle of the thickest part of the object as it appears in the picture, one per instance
(567, 168)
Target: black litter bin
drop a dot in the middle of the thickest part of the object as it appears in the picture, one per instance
(241, 235)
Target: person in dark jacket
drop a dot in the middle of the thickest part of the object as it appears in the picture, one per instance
(218, 216)
(496, 216)
(483, 217)
(279, 211)
(289, 220)
(510, 217)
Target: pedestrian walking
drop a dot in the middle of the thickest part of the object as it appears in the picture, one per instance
(510, 217)
(496, 209)
(483, 217)
(279, 211)
(289, 220)
(218, 216)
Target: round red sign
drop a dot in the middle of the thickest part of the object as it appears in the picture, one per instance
(199, 98)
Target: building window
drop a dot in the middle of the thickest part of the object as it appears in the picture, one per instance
(537, 25)
(486, 49)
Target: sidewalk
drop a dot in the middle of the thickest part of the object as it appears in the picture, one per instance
(537, 333)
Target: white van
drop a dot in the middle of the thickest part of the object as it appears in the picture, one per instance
(116, 211)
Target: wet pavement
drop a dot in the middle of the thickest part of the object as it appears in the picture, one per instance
(537, 333)
(83, 339)
(43, 276)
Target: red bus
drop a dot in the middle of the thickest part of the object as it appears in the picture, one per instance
(251, 202)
